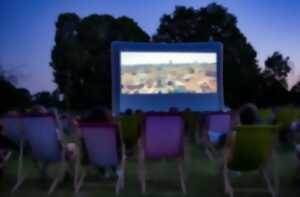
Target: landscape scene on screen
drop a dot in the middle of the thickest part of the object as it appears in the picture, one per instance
(168, 78)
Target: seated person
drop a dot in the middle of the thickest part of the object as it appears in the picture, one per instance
(248, 115)
(99, 115)
(70, 147)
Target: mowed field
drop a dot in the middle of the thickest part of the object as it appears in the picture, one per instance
(204, 178)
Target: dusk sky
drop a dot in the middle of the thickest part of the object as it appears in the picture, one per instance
(28, 29)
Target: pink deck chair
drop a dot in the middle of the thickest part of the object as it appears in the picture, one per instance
(41, 132)
(104, 149)
(217, 125)
(162, 137)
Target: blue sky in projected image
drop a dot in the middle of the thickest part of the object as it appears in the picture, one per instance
(28, 29)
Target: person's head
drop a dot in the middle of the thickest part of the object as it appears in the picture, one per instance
(38, 109)
(173, 109)
(248, 114)
(128, 112)
(98, 114)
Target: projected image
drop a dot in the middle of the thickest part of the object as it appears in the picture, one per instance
(168, 72)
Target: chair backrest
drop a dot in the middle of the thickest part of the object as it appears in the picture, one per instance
(163, 135)
(265, 115)
(130, 129)
(219, 122)
(192, 120)
(252, 146)
(102, 143)
(286, 116)
(12, 128)
(41, 133)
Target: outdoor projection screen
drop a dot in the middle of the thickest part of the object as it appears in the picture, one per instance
(158, 76)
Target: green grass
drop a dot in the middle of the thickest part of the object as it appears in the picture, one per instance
(204, 179)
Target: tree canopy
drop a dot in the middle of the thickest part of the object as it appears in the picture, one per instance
(81, 57)
(215, 23)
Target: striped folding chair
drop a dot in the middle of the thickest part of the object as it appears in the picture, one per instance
(253, 151)
(217, 126)
(104, 149)
(162, 137)
(41, 131)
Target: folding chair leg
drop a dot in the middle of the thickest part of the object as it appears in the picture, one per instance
(76, 173)
(121, 175)
(227, 186)
(59, 178)
(182, 175)
(209, 154)
(119, 184)
(141, 168)
(269, 184)
(17, 185)
(21, 177)
(80, 182)
(5, 159)
(7, 156)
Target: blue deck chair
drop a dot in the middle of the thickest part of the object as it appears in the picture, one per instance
(217, 126)
(162, 138)
(41, 131)
(104, 149)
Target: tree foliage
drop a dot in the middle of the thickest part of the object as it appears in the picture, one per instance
(214, 23)
(81, 57)
(13, 98)
(46, 99)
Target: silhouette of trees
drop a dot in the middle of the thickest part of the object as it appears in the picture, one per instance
(81, 56)
(82, 68)
(12, 97)
(214, 23)
(46, 99)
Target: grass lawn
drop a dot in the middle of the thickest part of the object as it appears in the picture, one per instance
(204, 179)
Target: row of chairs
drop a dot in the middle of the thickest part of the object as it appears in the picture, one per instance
(162, 137)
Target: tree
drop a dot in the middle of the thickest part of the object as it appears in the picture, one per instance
(273, 83)
(46, 99)
(81, 57)
(277, 67)
(295, 93)
(214, 23)
(13, 98)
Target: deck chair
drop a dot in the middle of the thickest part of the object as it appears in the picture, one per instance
(266, 115)
(192, 122)
(42, 136)
(104, 149)
(14, 132)
(253, 152)
(130, 129)
(217, 126)
(162, 138)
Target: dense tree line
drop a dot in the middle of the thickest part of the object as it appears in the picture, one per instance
(81, 55)
(82, 68)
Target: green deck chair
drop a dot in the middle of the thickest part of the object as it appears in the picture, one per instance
(192, 120)
(265, 114)
(284, 119)
(253, 151)
(130, 129)
(286, 116)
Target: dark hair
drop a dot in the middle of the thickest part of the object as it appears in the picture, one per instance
(249, 114)
(128, 112)
(98, 114)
